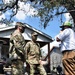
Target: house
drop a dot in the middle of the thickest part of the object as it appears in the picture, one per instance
(55, 56)
(43, 39)
(56, 59)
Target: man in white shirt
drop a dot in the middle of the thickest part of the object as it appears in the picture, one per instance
(67, 38)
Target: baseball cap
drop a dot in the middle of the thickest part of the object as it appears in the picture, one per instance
(66, 24)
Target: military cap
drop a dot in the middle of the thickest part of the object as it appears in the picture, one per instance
(34, 34)
(20, 24)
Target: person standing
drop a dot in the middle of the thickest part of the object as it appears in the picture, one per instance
(33, 55)
(17, 50)
(67, 38)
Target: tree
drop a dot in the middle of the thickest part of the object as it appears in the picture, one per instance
(46, 9)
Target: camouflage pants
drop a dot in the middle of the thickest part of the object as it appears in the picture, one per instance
(36, 67)
(17, 67)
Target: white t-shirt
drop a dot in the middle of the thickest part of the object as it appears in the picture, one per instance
(67, 38)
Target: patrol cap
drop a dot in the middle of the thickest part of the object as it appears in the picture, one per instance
(20, 24)
(34, 34)
(68, 24)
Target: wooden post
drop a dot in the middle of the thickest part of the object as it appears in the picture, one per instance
(1, 43)
(49, 55)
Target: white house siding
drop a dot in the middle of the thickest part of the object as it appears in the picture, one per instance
(55, 58)
(27, 34)
(6, 34)
(44, 50)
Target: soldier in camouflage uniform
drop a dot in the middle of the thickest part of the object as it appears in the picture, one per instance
(33, 55)
(16, 49)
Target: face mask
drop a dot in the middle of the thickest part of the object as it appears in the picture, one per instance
(22, 30)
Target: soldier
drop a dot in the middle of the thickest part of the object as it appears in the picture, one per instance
(33, 55)
(16, 49)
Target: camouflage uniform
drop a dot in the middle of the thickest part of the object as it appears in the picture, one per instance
(17, 44)
(33, 56)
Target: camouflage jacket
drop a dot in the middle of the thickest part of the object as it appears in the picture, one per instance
(17, 44)
(32, 52)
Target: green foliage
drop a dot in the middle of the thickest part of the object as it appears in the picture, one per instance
(47, 9)
(47, 12)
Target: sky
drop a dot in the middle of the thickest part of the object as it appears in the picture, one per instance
(23, 16)
(52, 29)
(54, 26)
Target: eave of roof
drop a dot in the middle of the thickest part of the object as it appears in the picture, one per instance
(38, 31)
(28, 26)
